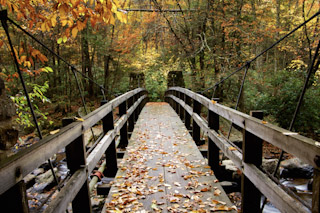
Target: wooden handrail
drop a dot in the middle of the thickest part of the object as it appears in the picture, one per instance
(16, 167)
(300, 146)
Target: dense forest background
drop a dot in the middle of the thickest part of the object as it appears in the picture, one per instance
(108, 40)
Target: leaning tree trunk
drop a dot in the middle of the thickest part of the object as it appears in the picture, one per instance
(8, 132)
(86, 62)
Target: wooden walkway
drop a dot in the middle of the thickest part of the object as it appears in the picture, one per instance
(163, 170)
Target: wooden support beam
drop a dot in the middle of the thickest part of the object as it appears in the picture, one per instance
(124, 129)
(76, 159)
(195, 126)
(181, 109)
(15, 199)
(213, 150)
(131, 118)
(111, 151)
(252, 154)
(187, 118)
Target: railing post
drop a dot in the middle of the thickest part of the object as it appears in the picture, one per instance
(111, 151)
(124, 129)
(76, 159)
(252, 153)
(131, 118)
(15, 198)
(187, 117)
(195, 126)
(136, 113)
(315, 191)
(213, 150)
(182, 110)
(177, 104)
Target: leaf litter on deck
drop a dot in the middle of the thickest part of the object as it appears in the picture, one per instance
(149, 154)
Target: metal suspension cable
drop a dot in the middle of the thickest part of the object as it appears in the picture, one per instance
(304, 89)
(264, 51)
(82, 96)
(6, 29)
(239, 95)
(55, 54)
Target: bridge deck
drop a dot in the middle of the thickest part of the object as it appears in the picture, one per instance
(163, 170)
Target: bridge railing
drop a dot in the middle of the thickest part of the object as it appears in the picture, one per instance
(188, 105)
(71, 137)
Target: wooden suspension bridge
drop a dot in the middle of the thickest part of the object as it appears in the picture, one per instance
(162, 169)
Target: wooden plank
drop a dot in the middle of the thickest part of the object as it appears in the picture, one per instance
(162, 146)
(29, 159)
(185, 155)
(68, 192)
(298, 145)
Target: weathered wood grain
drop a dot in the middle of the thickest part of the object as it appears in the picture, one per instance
(28, 159)
(298, 145)
(169, 155)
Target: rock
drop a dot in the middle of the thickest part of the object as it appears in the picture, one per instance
(269, 165)
(295, 168)
(46, 180)
(29, 180)
(229, 165)
(38, 171)
(46, 177)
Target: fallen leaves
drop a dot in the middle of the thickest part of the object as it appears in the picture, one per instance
(157, 167)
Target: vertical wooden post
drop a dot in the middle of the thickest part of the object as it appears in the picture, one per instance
(124, 130)
(182, 111)
(316, 191)
(136, 113)
(177, 104)
(187, 117)
(213, 150)
(131, 118)
(76, 159)
(195, 126)
(15, 198)
(111, 152)
(252, 153)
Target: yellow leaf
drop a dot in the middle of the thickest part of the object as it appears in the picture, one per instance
(23, 58)
(43, 27)
(264, 122)
(213, 101)
(74, 32)
(79, 119)
(64, 22)
(231, 148)
(54, 131)
(54, 20)
(64, 39)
